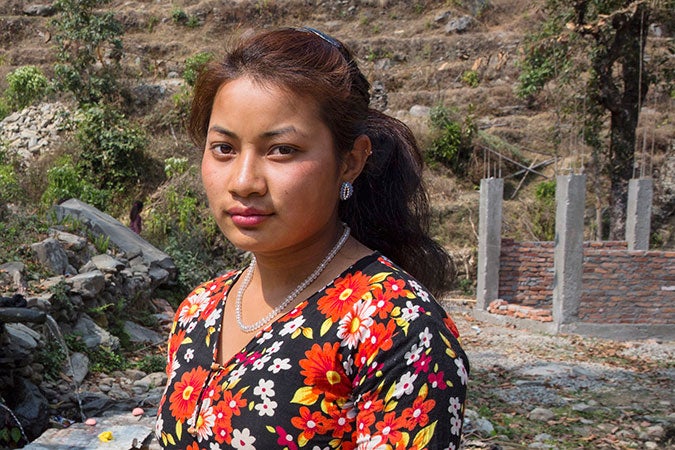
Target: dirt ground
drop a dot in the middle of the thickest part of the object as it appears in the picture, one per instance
(565, 391)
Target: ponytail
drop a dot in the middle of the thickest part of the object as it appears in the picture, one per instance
(389, 210)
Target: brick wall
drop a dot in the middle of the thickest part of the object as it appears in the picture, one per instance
(526, 273)
(630, 287)
(619, 286)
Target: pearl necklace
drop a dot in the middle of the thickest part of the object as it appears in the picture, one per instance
(301, 287)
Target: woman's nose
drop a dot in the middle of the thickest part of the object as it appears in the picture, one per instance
(248, 175)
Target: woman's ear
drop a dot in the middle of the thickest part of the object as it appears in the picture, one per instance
(355, 160)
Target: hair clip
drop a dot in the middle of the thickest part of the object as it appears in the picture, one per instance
(331, 40)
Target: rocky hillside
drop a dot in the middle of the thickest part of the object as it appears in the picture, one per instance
(416, 54)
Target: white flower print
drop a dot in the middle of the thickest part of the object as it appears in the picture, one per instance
(368, 442)
(455, 404)
(421, 293)
(405, 385)
(354, 326)
(461, 370)
(275, 347)
(214, 446)
(213, 318)
(413, 355)
(194, 305)
(260, 363)
(425, 337)
(159, 426)
(410, 312)
(242, 439)
(450, 446)
(267, 407)
(189, 354)
(290, 327)
(348, 365)
(237, 373)
(265, 336)
(279, 364)
(264, 389)
(455, 425)
(191, 327)
(205, 421)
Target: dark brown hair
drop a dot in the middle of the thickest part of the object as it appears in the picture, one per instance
(389, 210)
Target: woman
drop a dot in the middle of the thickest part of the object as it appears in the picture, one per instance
(324, 340)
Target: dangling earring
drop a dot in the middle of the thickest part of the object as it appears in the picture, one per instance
(346, 190)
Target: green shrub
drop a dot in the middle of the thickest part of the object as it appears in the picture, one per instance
(89, 49)
(26, 85)
(5, 109)
(194, 65)
(470, 78)
(112, 148)
(65, 181)
(178, 16)
(175, 166)
(453, 144)
(543, 211)
(152, 363)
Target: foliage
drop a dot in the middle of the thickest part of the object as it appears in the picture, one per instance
(470, 78)
(175, 166)
(10, 190)
(453, 145)
(542, 211)
(26, 85)
(111, 148)
(106, 360)
(65, 181)
(152, 363)
(89, 49)
(179, 16)
(592, 55)
(194, 65)
(5, 109)
(52, 357)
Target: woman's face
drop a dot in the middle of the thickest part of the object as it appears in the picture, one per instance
(269, 169)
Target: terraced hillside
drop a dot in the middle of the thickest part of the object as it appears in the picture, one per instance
(418, 54)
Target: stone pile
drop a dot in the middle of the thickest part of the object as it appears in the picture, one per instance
(87, 284)
(34, 130)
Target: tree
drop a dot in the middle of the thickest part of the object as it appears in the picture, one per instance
(89, 49)
(597, 48)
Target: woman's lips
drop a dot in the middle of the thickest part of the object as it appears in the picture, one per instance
(248, 217)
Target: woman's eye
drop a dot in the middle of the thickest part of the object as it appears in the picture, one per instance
(222, 149)
(283, 150)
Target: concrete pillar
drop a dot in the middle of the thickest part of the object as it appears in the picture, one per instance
(639, 213)
(570, 197)
(489, 240)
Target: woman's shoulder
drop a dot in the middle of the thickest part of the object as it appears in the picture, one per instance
(211, 290)
(402, 290)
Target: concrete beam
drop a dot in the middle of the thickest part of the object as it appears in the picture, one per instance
(489, 240)
(639, 213)
(570, 199)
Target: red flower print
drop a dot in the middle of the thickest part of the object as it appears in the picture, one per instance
(222, 429)
(310, 423)
(185, 393)
(422, 364)
(378, 340)
(437, 380)
(323, 371)
(338, 422)
(382, 302)
(233, 403)
(417, 414)
(285, 439)
(340, 298)
(389, 427)
(394, 288)
(451, 326)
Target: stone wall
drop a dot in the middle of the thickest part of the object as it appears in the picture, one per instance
(619, 286)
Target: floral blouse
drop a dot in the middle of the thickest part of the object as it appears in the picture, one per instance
(371, 362)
